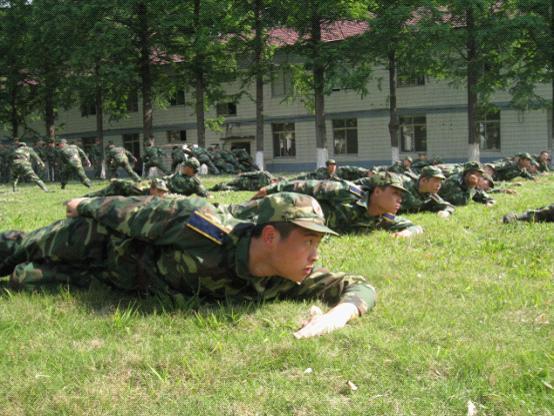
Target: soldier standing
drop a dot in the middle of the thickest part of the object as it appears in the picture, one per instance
(72, 157)
(153, 157)
(21, 166)
(119, 157)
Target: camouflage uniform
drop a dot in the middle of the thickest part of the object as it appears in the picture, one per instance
(248, 181)
(320, 174)
(544, 214)
(177, 157)
(21, 166)
(344, 205)
(544, 165)
(204, 158)
(506, 171)
(171, 247)
(415, 201)
(153, 156)
(245, 160)
(119, 157)
(222, 164)
(124, 187)
(52, 162)
(96, 158)
(351, 173)
(71, 156)
(455, 191)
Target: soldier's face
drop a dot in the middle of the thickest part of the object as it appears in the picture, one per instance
(430, 185)
(157, 192)
(295, 256)
(524, 163)
(331, 169)
(387, 200)
(472, 179)
(406, 163)
(484, 184)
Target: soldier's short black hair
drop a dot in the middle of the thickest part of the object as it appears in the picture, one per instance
(284, 228)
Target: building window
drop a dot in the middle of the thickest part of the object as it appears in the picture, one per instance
(88, 108)
(132, 102)
(284, 141)
(413, 134)
(176, 136)
(407, 78)
(178, 98)
(345, 136)
(281, 82)
(131, 142)
(489, 130)
(226, 109)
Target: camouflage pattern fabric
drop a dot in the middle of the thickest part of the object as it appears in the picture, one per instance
(205, 158)
(245, 160)
(122, 187)
(118, 157)
(319, 174)
(95, 157)
(415, 201)
(21, 166)
(344, 205)
(507, 171)
(544, 214)
(152, 158)
(185, 185)
(456, 192)
(167, 247)
(351, 173)
(71, 156)
(248, 181)
(177, 156)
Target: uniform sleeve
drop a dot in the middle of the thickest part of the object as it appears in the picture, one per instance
(35, 157)
(334, 288)
(320, 190)
(395, 224)
(482, 197)
(200, 190)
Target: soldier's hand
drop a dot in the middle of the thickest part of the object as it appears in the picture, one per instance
(490, 203)
(402, 234)
(260, 194)
(71, 207)
(320, 323)
(443, 214)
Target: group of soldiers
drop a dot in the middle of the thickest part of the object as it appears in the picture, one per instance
(60, 161)
(137, 237)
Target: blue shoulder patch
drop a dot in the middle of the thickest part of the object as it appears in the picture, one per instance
(208, 227)
(389, 217)
(356, 190)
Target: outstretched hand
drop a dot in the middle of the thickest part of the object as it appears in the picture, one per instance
(320, 323)
(71, 207)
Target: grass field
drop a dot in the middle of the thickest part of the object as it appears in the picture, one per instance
(464, 313)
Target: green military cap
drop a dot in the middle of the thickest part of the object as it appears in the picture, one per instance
(193, 163)
(472, 166)
(19, 144)
(386, 179)
(63, 141)
(298, 209)
(409, 159)
(525, 155)
(159, 184)
(432, 172)
(489, 179)
(331, 162)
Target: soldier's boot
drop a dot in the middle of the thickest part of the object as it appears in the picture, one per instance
(87, 183)
(513, 217)
(9, 241)
(42, 186)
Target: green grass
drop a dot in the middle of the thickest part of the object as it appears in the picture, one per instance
(465, 312)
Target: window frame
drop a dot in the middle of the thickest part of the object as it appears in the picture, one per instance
(413, 124)
(347, 139)
(485, 121)
(279, 135)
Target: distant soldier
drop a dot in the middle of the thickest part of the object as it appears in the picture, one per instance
(247, 181)
(186, 182)
(544, 214)
(403, 166)
(153, 158)
(204, 157)
(40, 150)
(96, 157)
(72, 157)
(519, 167)
(461, 188)
(52, 160)
(177, 157)
(348, 208)
(544, 160)
(329, 172)
(352, 173)
(422, 194)
(222, 162)
(124, 187)
(245, 160)
(21, 166)
(118, 157)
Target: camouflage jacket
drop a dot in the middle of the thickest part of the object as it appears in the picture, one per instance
(177, 155)
(152, 154)
(507, 171)
(351, 173)
(118, 155)
(456, 192)
(190, 246)
(415, 201)
(344, 205)
(320, 174)
(24, 155)
(72, 154)
(248, 181)
(123, 187)
(185, 185)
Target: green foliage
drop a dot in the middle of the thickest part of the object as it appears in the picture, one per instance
(464, 313)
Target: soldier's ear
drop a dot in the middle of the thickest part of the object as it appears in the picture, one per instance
(269, 234)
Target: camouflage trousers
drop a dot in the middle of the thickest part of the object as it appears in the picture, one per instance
(155, 164)
(70, 169)
(112, 170)
(76, 251)
(25, 171)
(545, 214)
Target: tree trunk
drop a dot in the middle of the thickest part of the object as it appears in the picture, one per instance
(394, 123)
(14, 118)
(319, 84)
(144, 67)
(259, 44)
(472, 79)
(551, 138)
(99, 109)
(199, 88)
(49, 114)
